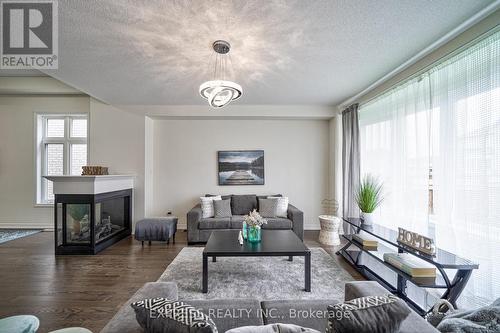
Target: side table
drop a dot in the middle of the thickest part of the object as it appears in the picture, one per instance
(329, 234)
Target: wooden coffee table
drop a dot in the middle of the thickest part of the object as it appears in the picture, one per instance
(275, 243)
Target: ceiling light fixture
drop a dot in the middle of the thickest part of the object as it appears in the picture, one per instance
(220, 92)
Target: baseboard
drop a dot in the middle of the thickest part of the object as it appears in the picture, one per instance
(26, 226)
(311, 226)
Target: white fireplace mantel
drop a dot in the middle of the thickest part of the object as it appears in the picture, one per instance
(91, 184)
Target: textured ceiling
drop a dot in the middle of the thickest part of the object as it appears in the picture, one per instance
(283, 52)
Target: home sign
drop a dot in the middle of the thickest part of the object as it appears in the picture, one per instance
(416, 241)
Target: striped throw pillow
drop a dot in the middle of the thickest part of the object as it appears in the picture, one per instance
(163, 315)
(282, 206)
(207, 206)
(369, 314)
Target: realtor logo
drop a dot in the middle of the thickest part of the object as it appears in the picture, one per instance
(29, 34)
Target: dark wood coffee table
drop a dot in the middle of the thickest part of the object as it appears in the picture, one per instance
(275, 243)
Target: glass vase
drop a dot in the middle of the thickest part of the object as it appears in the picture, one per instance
(254, 234)
(244, 230)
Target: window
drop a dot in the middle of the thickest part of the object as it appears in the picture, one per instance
(435, 142)
(61, 149)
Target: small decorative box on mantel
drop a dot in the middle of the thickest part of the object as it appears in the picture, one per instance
(91, 212)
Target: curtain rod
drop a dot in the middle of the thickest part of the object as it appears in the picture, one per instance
(426, 51)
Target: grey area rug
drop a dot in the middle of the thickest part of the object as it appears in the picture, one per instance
(11, 234)
(264, 278)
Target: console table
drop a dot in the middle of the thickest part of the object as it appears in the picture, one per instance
(443, 260)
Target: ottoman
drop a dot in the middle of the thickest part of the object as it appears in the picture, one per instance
(156, 229)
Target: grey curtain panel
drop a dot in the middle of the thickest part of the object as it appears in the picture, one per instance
(350, 161)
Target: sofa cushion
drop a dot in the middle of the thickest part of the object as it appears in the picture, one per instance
(243, 204)
(158, 315)
(273, 328)
(222, 208)
(224, 197)
(368, 314)
(237, 221)
(124, 320)
(282, 210)
(207, 206)
(412, 323)
(268, 208)
(277, 223)
(267, 196)
(306, 313)
(231, 313)
(214, 223)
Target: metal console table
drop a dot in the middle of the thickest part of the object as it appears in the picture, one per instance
(352, 252)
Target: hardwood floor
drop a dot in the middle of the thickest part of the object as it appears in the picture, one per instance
(85, 291)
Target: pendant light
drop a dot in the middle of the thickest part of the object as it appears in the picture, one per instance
(220, 92)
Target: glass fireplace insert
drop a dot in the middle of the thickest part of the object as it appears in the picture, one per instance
(88, 223)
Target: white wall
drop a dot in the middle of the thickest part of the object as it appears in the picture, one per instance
(122, 139)
(117, 141)
(17, 159)
(185, 161)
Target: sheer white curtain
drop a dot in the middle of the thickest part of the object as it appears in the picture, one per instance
(447, 121)
(466, 163)
(394, 143)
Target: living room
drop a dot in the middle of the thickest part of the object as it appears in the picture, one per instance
(265, 166)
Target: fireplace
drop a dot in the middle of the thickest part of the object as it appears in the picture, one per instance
(86, 223)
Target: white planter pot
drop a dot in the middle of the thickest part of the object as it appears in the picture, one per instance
(367, 218)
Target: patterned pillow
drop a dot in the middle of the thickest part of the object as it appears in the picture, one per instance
(273, 328)
(222, 208)
(268, 207)
(282, 206)
(158, 315)
(370, 314)
(207, 206)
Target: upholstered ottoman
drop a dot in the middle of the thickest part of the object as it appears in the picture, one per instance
(156, 229)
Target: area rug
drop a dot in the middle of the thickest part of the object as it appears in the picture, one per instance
(11, 234)
(264, 278)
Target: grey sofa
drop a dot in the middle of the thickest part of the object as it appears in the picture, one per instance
(199, 229)
(246, 312)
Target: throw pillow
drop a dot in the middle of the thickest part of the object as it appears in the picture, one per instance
(222, 208)
(224, 197)
(207, 206)
(243, 204)
(273, 328)
(484, 319)
(268, 207)
(158, 315)
(282, 206)
(370, 314)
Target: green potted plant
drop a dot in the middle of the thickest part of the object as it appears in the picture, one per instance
(368, 196)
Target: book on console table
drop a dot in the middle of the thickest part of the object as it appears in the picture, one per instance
(411, 265)
(368, 242)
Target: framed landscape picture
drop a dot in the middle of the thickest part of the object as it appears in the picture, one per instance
(241, 167)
